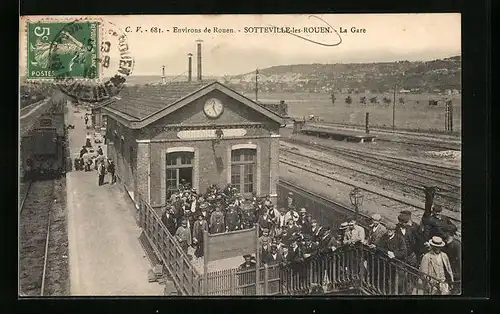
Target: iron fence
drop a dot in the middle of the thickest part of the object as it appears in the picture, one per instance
(183, 273)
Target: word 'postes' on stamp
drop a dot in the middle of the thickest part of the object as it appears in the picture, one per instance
(58, 49)
(88, 60)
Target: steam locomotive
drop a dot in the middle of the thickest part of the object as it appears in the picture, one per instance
(44, 147)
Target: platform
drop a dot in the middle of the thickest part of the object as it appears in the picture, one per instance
(105, 256)
(340, 135)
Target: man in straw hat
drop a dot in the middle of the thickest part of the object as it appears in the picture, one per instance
(340, 235)
(437, 266)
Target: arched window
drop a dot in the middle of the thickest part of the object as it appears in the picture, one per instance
(243, 169)
(179, 170)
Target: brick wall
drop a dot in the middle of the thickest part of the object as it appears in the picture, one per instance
(212, 164)
(120, 151)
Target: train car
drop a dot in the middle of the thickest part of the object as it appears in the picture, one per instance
(44, 149)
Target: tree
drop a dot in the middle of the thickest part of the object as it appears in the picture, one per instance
(387, 100)
(362, 100)
(348, 100)
(401, 100)
(374, 100)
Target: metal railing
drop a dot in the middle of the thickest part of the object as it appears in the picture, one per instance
(167, 248)
(350, 267)
(243, 282)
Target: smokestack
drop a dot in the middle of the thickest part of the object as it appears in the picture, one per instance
(199, 41)
(190, 67)
(163, 77)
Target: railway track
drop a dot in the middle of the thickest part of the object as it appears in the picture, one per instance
(34, 230)
(443, 141)
(447, 195)
(333, 205)
(375, 192)
(428, 173)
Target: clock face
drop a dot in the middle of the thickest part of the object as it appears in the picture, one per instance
(213, 108)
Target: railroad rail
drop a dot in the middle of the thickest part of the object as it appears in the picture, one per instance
(321, 173)
(448, 195)
(412, 138)
(440, 173)
(35, 222)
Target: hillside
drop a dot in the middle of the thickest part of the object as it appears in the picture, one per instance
(420, 76)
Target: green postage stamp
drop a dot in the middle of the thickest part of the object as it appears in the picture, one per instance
(59, 50)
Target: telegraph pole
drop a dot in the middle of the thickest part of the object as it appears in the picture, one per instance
(256, 84)
(394, 109)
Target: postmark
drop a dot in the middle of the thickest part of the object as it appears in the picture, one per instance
(87, 59)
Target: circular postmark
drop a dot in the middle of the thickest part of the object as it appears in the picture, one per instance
(90, 59)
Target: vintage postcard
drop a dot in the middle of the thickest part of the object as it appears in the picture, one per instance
(240, 155)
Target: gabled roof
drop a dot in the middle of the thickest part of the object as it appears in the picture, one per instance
(105, 102)
(140, 106)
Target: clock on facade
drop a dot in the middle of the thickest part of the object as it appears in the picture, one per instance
(213, 108)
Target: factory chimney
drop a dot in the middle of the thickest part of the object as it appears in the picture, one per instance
(163, 77)
(199, 41)
(190, 67)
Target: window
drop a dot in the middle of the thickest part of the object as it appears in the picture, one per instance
(179, 169)
(243, 166)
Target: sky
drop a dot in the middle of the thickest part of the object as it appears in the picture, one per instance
(387, 37)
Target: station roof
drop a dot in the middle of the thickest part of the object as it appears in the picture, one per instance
(142, 105)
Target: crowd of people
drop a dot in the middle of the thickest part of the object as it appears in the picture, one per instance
(88, 161)
(291, 235)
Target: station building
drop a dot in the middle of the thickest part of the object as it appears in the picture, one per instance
(200, 131)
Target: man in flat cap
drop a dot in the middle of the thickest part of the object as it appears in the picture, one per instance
(246, 275)
(393, 246)
(406, 233)
(376, 231)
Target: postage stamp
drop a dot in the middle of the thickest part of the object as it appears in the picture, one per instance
(58, 49)
(86, 58)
